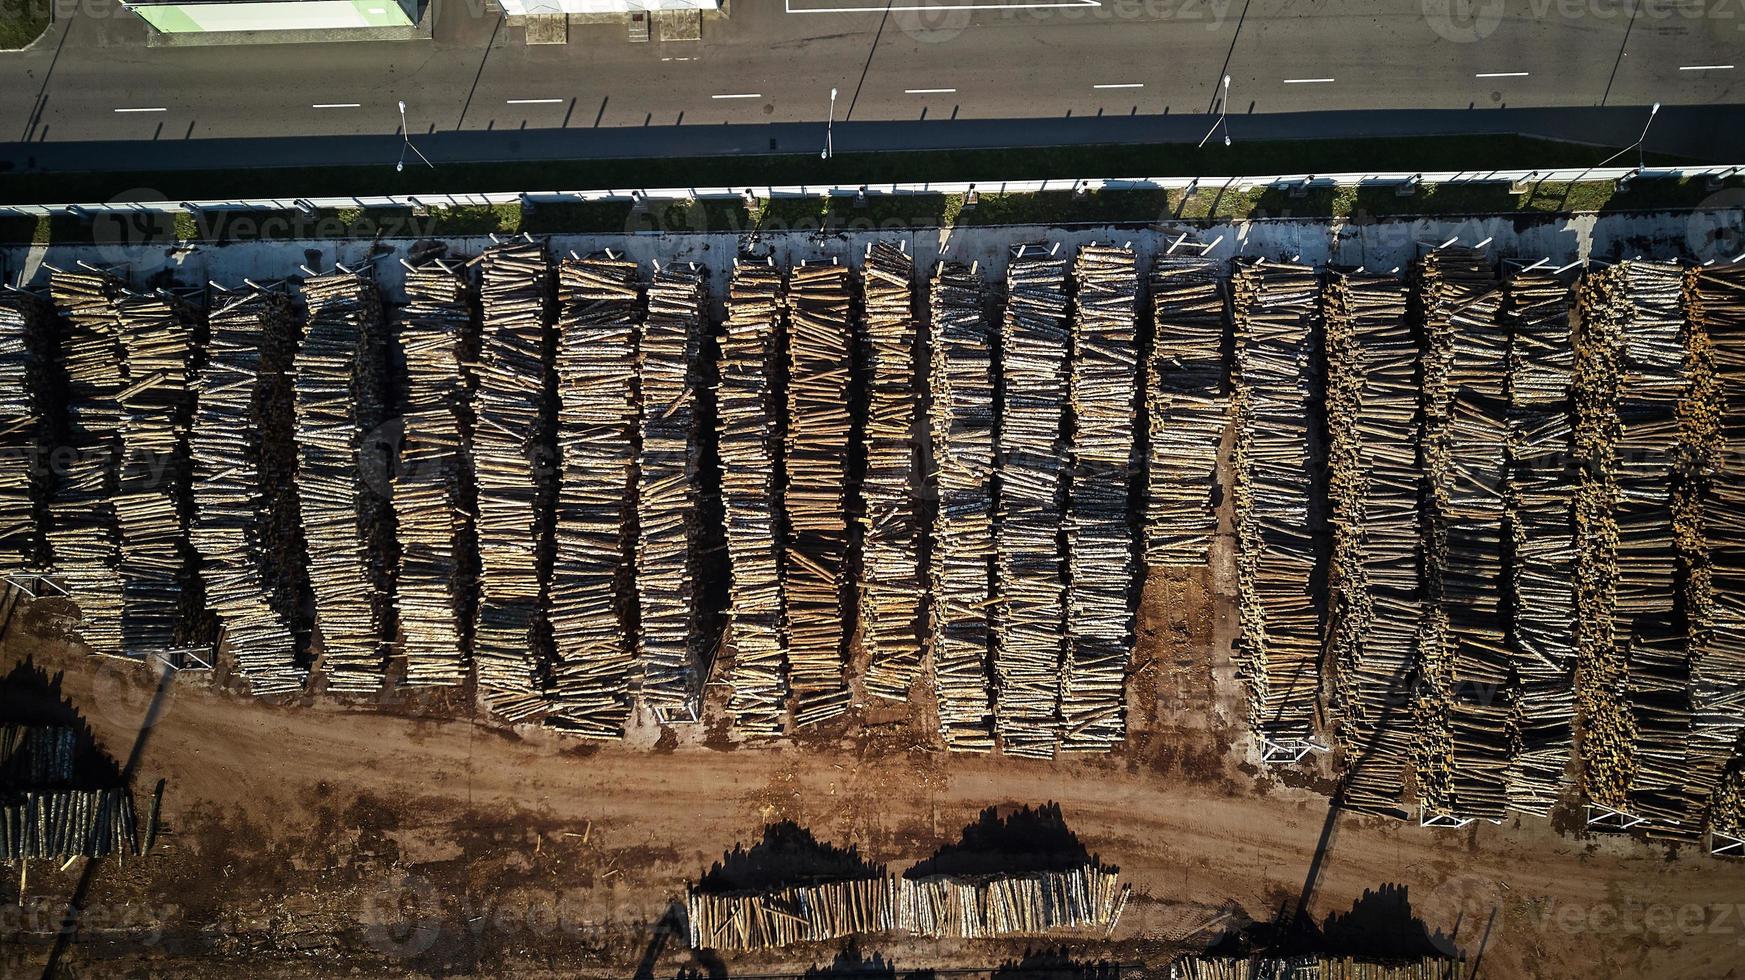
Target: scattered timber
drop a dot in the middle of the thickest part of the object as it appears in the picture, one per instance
(961, 376)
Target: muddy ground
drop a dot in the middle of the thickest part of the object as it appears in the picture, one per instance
(411, 838)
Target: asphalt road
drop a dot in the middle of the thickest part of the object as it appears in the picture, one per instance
(769, 64)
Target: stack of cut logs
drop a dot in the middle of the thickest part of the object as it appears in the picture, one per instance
(1099, 618)
(158, 600)
(666, 493)
(248, 549)
(1188, 410)
(817, 442)
(26, 331)
(746, 408)
(510, 437)
(961, 376)
(83, 534)
(890, 550)
(598, 309)
(1031, 623)
(1275, 309)
(1086, 899)
(1717, 312)
(428, 488)
(1315, 967)
(1466, 659)
(340, 376)
(1373, 422)
(51, 810)
(1541, 502)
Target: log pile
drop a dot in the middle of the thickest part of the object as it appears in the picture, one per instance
(27, 433)
(748, 420)
(428, 489)
(510, 450)
(160, 597)
(1099, 619)
(961, 419)
(1313, 968)
(813, 504)
(341, 369)
(56, 824)
(1541, 502)
(666, 494)
(1275, 308)
(890, 550)
(248, 543)
(1464, 752)
(83, 534)
(1378, 602)
(1188, 410)
(1085, 900)
(1716, 426)
(1032, 592)
(599, 304)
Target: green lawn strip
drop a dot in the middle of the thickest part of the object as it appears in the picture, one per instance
(21, 22)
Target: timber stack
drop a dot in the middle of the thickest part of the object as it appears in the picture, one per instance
(814, 503)
(961, 420)
(28, 402)
(1188, 410)
(1378, 601)
(83, 534)
(430, 503)
(666, 494)
(510, 449)
(746, 409)
(1099, 624)
(245, 524)
(891, 529)
(160, 593)
(1462, 770)
(1313, 967)
(599, 305)
(1541, 525)
(1275, 310)
(1030, 630)
(340, 376)
(51, 807)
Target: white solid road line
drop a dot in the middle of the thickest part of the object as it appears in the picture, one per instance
(1501, 74)
(1704, 67)
(741, 95)
(154, 109)
(1306, 81)
(336, 105)
(1122, 85)
(532, 101)
(928, 91)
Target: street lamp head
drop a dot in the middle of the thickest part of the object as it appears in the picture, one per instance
(824, 154)
(1226, 139)
(1226, 83)
(402, 105)
(833, 94)
(399, 166)
(1655, 109)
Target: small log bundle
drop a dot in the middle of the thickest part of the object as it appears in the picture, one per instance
(341, 370)
(666, 494)
(1099, 614)
(961, 376)
(429, 487)
(1313, 967)
(1030, 629)
(1715, 423)
(160, 594)
(599, 305)
(1465, 658)
(510, 449)
(1378, 602)
(245, 517)
(748, 418)
(1541, 508)
(1275, 310)
(28, 400)
(57, 824)
(1084, 900)
(814, 501)
(1188, 409)
(83, 533)
(891, 530)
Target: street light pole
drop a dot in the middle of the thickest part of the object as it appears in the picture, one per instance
(1644, 137)
(829, 125)
(406, 143)
(1223, 109)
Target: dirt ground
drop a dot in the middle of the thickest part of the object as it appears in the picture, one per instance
(406, 838)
